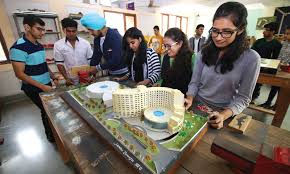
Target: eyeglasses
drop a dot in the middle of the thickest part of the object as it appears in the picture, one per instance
(40, 28)
(168, 47)
(225, 34)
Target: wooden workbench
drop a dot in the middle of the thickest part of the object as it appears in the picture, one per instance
(282, 80)
(78, 143)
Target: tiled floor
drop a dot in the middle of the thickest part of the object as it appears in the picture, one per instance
(26, 150)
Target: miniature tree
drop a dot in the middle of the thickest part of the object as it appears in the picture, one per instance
(146, 139)
(188, 125)
(151, 143)
(129, 128)
(131, 147)
(137, 153)
(141, 134)
(119, 137)
(134, 131)
(148, 157)
(114, 129)
(182, 134)
(109, 127)
(153, 147)
(126, 142)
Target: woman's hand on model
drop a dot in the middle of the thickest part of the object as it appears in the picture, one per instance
(144, 82)
(117, 79)
(216, 120)
(188, 102)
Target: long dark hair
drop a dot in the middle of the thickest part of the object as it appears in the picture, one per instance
(140, 55)
(128, 53)
(181, 68)
(237, 13)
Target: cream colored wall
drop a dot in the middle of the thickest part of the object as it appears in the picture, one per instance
(5, 25)
(10, 85)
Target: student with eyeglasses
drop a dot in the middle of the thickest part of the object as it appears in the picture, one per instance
(143, 63)
(177, 63)
(28, 60)
(226, 70)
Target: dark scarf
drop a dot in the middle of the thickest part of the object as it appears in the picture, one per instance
(175, 78)
(138, 68)
(166, 72)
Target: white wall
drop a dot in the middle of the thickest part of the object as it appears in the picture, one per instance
(146, 22)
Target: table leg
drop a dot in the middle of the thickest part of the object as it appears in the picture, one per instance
(281, 107)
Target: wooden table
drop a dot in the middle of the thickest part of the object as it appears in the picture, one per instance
(282, 80)
(78, 143)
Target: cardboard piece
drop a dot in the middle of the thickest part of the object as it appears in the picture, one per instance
(75, 69)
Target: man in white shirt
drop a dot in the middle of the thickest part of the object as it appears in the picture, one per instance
(72, 50)
(198, 40)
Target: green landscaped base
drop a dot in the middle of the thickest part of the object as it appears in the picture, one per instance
(113, 123)
(192, 124)
(151, 165)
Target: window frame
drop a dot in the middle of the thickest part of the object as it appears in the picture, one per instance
(124, 17)
(176, 16)
(5, 49)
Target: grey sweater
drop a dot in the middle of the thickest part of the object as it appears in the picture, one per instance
(231, 90)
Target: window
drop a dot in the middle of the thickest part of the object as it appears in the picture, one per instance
(4, 56)
(120, 21)
(170, 21)
(178, 22)
(184, 22)
(165, 23)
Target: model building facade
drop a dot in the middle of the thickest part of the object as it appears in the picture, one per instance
(152, 103)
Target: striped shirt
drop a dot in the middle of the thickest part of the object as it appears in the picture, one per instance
(33, 56)
(151, 69)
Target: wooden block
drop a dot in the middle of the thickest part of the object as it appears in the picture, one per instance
(240, 122)
(74, 70)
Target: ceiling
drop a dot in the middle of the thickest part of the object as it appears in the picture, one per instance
(208, 3)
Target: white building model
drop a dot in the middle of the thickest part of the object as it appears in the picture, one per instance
(102, 90)
(162, 107)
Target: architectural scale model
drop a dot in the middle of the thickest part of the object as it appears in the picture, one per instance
(163, 108)
(148, 127)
